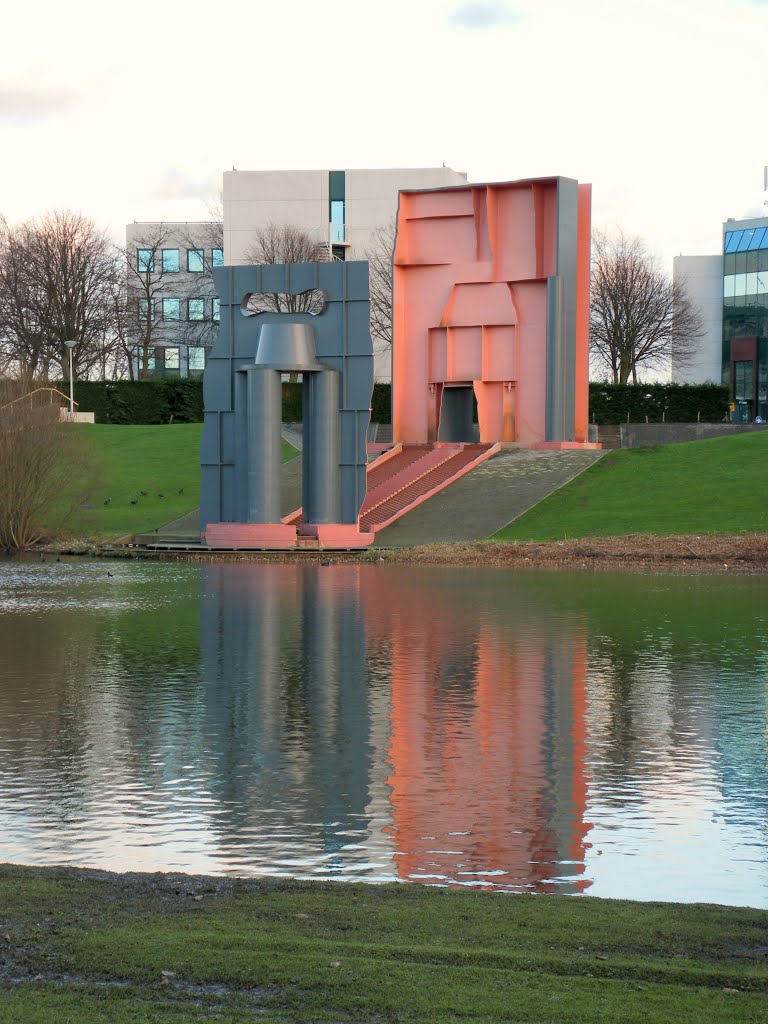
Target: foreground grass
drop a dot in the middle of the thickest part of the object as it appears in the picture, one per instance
(163, 461)
(92, 947)
(712, 486)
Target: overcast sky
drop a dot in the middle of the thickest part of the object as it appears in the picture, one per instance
(132, 113)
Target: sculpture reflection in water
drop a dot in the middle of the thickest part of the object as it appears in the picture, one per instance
(374, 727)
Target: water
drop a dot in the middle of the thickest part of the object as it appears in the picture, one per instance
(596, 734)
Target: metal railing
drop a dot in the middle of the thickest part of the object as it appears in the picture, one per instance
(50, 391)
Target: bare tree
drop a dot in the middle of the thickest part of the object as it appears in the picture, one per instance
(45, 465)
(638, 317)
(380, 256)
(56, 279)
(284, 243)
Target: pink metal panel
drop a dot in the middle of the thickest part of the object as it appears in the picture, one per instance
(465, 353)
(499, 352)
(476, 260)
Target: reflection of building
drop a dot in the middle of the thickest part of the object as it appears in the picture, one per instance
(487, 744)
(313, 678)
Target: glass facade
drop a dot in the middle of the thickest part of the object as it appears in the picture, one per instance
(745, 316)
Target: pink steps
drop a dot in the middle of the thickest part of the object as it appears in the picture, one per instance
(433, 471)
(395, 483)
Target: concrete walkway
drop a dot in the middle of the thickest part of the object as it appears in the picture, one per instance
(488, 498)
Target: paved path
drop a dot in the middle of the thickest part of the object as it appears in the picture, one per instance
(487, 498)
(476, 506)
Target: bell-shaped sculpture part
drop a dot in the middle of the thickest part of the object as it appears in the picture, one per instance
(287, 347)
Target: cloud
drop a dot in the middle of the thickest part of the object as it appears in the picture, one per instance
(31, 104)
(175, 184)
(480, 15)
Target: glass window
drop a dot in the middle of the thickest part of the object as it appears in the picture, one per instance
(729, 284)
(336, 185)
(145, 261)
(170, 261)
(741, 263)
(757, 238)
(171, 359)
(196, 357)
(729, 264)
(195, 261)
(337, 211)
(732, 239)
(752, 259)
(746, 238)
(751, 284)
(742, 380)
(762, 284)
(171, 309)
(217, 257)
(740, 284)
(195, 309)
(216, 312)
(144, 306)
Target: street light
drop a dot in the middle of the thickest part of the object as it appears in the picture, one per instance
(70, 345)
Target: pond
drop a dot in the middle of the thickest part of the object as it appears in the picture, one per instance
(540, 732)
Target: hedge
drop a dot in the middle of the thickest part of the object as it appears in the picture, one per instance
(180, 400)
(172, 400)
(673, 403)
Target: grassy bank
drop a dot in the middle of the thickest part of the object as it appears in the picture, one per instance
(712, 486)
(92, 947)
(146, 476)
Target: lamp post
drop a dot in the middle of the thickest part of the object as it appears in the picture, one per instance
(70, 345)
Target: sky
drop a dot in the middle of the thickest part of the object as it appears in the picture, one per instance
(132, 113)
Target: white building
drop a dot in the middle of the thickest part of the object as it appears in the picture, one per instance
(341, 208)
(173, 308)
(703, 276)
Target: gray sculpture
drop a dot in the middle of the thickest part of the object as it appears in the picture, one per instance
(240, 445)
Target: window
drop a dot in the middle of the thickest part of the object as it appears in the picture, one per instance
(217, 257)
(729, 286)
(336, 198)
(170, 261)
(195, 309)
(171, 309)
(216, 314)
(751, 288)
(171, 359)
(195, 261)
(196, 358)
(145, 261)
(746, 238)
(339, 252)
(144, 306)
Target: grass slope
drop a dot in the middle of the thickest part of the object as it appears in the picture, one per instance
(712, 486)
(87, 946)
(161, 460)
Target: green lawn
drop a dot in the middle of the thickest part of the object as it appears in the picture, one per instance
(712, 486)
(161, 460)
(86, 947)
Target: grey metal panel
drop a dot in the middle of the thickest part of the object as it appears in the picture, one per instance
(556, 361)
(343, 343)
(322, 441)
(567, 247)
